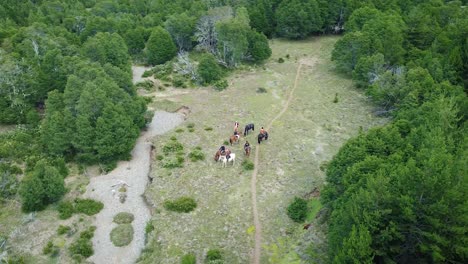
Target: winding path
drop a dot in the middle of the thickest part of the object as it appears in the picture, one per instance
(253, 185)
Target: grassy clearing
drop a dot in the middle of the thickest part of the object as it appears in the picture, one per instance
(307, 135)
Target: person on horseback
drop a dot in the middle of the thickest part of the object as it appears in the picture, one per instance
(222, 150)
(246, 145)
(262, 131)
(236, 134)
(236, 125)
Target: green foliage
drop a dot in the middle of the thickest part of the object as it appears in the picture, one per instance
(335, 100)
(88, 206)
(172, 146)
(41, 187)
(213, 255)
(49, 248)
(280, 60)
(258, 47)
(123, 218)
(65, 209)
(181, 28)
(208, 69)
(181, 205)
(63, 230)
(189, 259)
(83, 245)
(297, 210)
(248, 165)
(297, 19)
(208, 129)
(107, 48)
(8, 180)
(122, 235)
(220, 85)
(160, 47)
(149, 227)
(196, 154)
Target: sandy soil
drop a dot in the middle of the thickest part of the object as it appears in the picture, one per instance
(134, 173)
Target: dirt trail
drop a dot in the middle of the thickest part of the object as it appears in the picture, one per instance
(257, 224)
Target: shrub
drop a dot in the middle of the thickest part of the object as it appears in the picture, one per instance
(63, 229)
(148, 85)
(160, 47)
(297, 210)
(65, 209)
(280, 60)
(88, 206)
(261, 90)
(48, 248)
(208, 69)
(181, 205)
(179, 81)
(196, 154)
(213, 254)
(335, 100)
(179, 130)
(83, 246)
(189, 259)
(191, 130)
(287, 56)
(221, 85)
(248, 165)
(208, 128)
(159, 157)
(123, 218)
(172, 146)
(172, 163)
(190, 125)
(122, 235)
(149, 227)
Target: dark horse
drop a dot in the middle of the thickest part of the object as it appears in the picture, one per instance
(247, 150)
(248, 127)
(262, 137)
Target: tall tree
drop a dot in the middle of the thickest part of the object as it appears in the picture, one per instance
(160, 47)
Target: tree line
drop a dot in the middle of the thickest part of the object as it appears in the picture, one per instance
(398, 193)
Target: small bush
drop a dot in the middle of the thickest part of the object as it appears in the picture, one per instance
(225, 142)
(220, 85)
(148, 85)
(208, 128)
(173, 138)
(297, 210)
(65, 209)
(287, 56)
(159, 157)
(83, 246)
(248, 165)
(191, 130)
(189, 259)
(190, 125)
(181, 205)
(335, 100)
(123, 218)
(88, 206)
(147, 74)
(261, 90)
(149, 227)
(122, 235)
(179, 130)
(213, 254)
(48, 248)
(63, 229)
(179, 81)
(280, 60)
(172, 146)
(196, 154)
(172, 163)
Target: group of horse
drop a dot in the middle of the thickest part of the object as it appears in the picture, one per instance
(227, 156)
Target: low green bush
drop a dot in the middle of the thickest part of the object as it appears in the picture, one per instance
(122, 235)
(248, 165)
(297, 210)
(188, 259)
(181, 205)
(213, 255)
(179, 82)
(48, 248)
(179, 130)
(208, 128)
(261, 90)
(196, 155)
(220, 85)
(172, 146)
(173, 162)
(123, 218)
(280, 60)
(83, 245)
(65, 209)
(190, 125)
(159, 157)
(63, 229)
(335, 100)
(88, 206)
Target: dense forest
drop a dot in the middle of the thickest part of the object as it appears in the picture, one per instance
(395, 194)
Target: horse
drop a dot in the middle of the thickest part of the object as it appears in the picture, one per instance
(234, 139)
(224, 160)
(247, 150)
(218, 154)
(262, 137)
(248, 127)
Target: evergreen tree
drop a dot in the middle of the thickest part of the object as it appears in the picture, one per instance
(258, 46)
(160, 47)
(208, 69)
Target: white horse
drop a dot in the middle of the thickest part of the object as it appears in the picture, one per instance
(224, 160)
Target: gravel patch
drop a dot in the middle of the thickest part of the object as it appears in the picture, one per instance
(134, 175)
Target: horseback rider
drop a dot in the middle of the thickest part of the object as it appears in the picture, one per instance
(262, 131)
(246, 145)
(222, 150)
(236, 125)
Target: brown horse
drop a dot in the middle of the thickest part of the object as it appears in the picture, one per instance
(234, 139)
(218, 154)
(247, 150)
